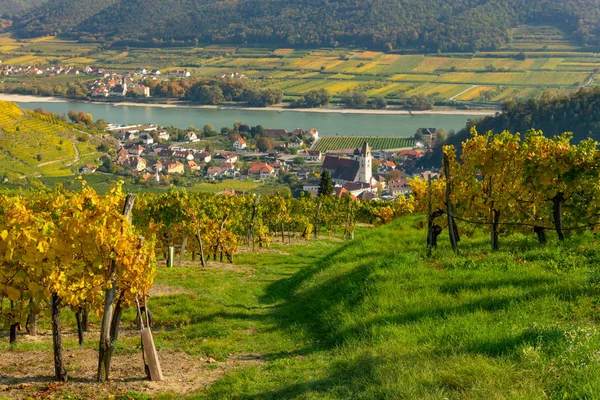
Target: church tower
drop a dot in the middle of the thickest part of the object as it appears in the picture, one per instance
(365, 160)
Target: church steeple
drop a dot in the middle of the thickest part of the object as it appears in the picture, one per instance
(365, 159)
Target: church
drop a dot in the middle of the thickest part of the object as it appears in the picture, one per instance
(356, 170)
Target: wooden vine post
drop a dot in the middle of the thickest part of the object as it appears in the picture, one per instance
(199, 239)
(451, 226)
(60, 372)
(182, 251)
(429, 218)
(149, 353)
(557, 203)
(107, 340)
(317, 227)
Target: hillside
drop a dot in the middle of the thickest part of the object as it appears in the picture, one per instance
(33, 144)
(384, 24)
(57, 16)
(367, 319)
(12, 7)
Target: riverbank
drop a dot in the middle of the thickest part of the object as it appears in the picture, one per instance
(19, 98)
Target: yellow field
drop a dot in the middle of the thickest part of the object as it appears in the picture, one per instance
(283, 52)
(552, 63)
(457, 63)
(9, 47)
(312, 62)
(42, 39)
(474, 93)
(6, 39)
(80, 61)
(430, 64)
(389, 89)
(367, 67)
(413, 77)
(25, 60)
(340, 87)
(369, 55)
(389, 59)
(457, 77)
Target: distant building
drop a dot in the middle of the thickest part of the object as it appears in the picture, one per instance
(239, 144)
(344, 170)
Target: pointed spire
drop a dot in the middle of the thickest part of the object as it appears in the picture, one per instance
(366, 150)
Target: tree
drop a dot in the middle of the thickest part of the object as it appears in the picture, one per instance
(440, 136)
(326, 185)
(316, 98)
(355, 99)
(209, 130)
(380, 103)
(263, 144)
(298, 160)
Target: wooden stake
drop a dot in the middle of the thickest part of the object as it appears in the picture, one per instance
(429, 218)
(185, 239)
(451, 227)
(106, 346)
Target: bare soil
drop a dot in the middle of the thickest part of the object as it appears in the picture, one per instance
(29, 374)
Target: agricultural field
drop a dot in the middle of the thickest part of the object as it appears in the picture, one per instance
(538, 59)
(351, 142)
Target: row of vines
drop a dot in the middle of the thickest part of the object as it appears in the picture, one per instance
(95, 254)
(508, 183)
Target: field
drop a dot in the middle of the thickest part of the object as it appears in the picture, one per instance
(371, 318)
(538, 59)
(351, 142)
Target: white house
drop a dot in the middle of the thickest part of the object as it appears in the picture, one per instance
(191, 137)
(239, 144)
(147, 139)
(163, 135)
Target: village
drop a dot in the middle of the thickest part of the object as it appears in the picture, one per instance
(150, 155)
(99, 83)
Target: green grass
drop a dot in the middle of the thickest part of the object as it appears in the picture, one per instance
(374, 318)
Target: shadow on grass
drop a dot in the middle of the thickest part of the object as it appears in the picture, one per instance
(344, 381)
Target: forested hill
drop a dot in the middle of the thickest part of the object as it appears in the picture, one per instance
(57, 16)
(382, 24)
(9, 8)
(578, 113)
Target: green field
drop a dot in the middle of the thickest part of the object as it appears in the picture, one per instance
(368, 319)
(538, 59)
(351, 142)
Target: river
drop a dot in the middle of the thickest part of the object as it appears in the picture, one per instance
(328, 124)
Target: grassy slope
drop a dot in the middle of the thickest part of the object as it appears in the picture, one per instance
(374, 319)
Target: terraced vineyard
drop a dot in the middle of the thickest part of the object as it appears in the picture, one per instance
(350, 142)
(41, 145)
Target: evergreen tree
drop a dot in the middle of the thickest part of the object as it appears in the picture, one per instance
(326, 185)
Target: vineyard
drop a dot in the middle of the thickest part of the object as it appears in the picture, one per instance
(535, 64)
(78, 250)
(352, 142)
(506, 184)
(39, 144)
